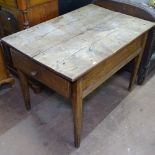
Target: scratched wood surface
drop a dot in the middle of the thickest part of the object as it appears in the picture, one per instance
(74, 43)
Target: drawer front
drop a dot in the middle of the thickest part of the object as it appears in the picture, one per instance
(32, 3)
(8, 3)
(40, 73)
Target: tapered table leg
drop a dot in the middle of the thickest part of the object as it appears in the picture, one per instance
(77, 111)
(25, 89)
(134, 73)
(137, 61)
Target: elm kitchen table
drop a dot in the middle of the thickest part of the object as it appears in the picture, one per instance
(75, 53)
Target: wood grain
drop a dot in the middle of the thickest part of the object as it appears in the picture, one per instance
(37, 2)
(137, 61)
(74, 43)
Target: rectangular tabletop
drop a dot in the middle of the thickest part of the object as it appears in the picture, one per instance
(74, 43)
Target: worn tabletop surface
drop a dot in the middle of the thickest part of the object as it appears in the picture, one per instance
(74, 43)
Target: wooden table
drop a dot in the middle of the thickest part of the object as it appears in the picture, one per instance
(75, 53)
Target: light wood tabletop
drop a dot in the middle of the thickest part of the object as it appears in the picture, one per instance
(74, 43)
(75, 53)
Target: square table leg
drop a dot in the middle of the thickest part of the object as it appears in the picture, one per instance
(76, 98)
(133, 78)
(25, 89)
(137, 61)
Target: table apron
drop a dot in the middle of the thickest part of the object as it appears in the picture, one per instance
(111, 65)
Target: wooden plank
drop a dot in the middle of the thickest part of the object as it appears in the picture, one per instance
(74, 43)
(41, 73)
(64, 28)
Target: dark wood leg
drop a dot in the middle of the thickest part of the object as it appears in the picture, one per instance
(25, 89)
(134, 73)
(77, 111)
